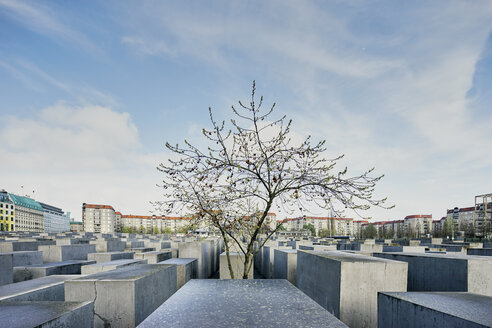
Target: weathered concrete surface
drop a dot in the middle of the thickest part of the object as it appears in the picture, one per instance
(347, 284)
(237, 263)
(29, 272)
(199, 251)
(155, 256)
(105, 246)
(46, 314)
(110, 256)
(125, 296)
(240, 303)
(141, 249)
(16, 246)
(446, 272)
(41, 289)
(437, 309)
(107, 266)
(186, 269)
(285, 266)
(479, 251)
(6, 268)
(27, 258)
(60, 253)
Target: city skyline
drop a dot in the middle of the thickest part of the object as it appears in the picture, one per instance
(92, 92)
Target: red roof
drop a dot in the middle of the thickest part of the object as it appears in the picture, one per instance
(424, 216)
(99, 206)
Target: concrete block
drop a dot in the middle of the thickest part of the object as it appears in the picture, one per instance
(107, 266)
(105, 246)
(6, 268)
(29, 272)
(479, 251)
(237, 262)
(141, 249)
(371, 248)
(17, 246)
(186, 269)
(347, 284)
(60, 253)
(446, 272)
(154, 257)
(111, 256)
(199, 251)
(437, 309)
(126, 296)
(27, 258)
(46, 314)
(285, 266)
(41, 289)
(240, 303)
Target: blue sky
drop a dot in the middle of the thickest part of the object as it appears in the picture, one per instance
(90, 91)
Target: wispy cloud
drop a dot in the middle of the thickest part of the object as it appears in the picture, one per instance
(46, 21)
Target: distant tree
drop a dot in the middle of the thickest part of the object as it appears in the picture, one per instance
(167, 230)
(142, 229)
(251, 166)
(156, 231)
(310, 227)
(369, 232)
(280, 227)
(323, 233)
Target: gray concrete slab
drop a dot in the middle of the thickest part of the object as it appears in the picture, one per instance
(29, 272)
(46, 314)
(479, 251)
(240, 303)
(285, 266)
(154, 256)
(436, 309)
(60, 253)
(186, 269)
(105, 246)
(48, 288)
(109, 256)
(27, 258)
(107, 266)
(347, 284)
(451, 272)
(6, 268)
(126, 296)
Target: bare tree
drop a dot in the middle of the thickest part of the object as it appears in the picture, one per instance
(251, 167)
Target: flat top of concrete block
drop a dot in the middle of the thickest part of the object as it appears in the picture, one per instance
(347, 257)
(287, 250)
(34, 314)
(55, 264)
(130, 272)
(178, 261)
(111, 253)
(118, 262)
(468, 306)
(22, 252)
(158, 252)
(240, 303)
(457, 256)
(38, 283)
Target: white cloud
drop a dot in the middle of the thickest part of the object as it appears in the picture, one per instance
(71, 155)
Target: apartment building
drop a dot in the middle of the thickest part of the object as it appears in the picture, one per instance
(99, 218)
(418, 225)
(7, 212)
(337, 226)
(29, 214)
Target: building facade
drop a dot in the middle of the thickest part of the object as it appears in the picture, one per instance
(7, 212)
(54, 219)
(99, 218)
(29, 214)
